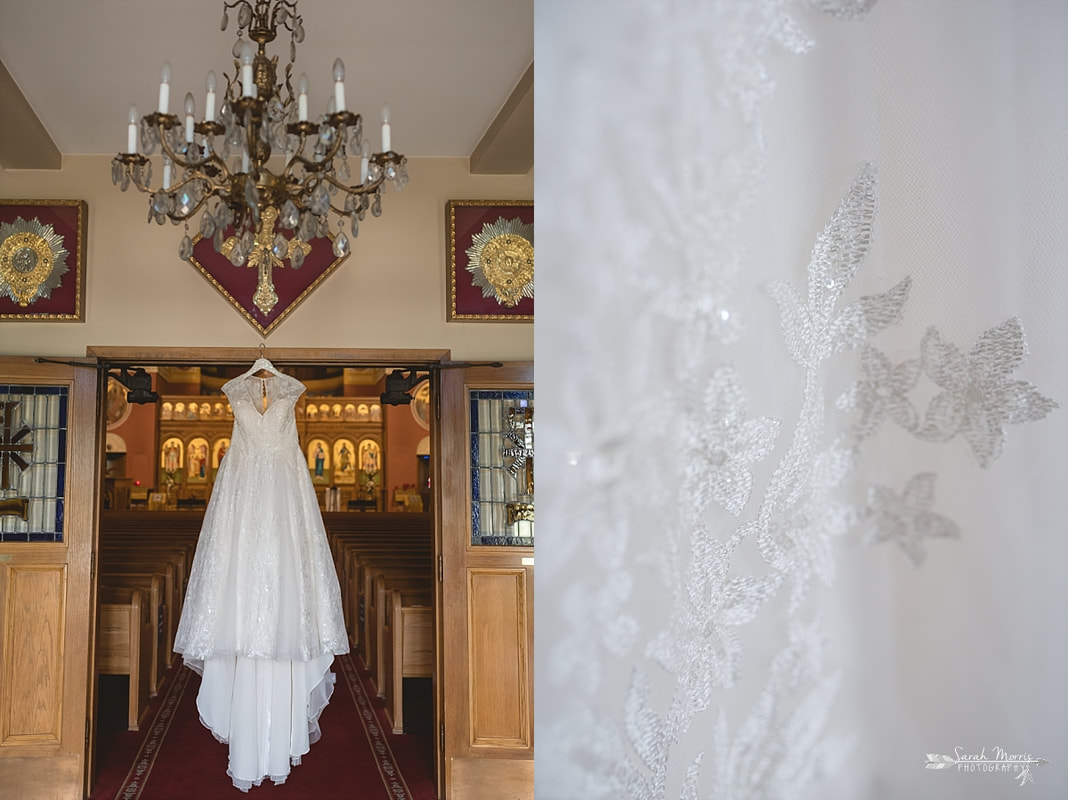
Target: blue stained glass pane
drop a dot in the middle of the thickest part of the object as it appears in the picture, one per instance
(491, 488)
(56, 422)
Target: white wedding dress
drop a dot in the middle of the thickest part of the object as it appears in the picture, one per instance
(262, 618)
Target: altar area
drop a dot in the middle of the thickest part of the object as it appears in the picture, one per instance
(360, 455)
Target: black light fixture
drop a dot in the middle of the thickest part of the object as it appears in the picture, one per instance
(139, 384)
(397, 387)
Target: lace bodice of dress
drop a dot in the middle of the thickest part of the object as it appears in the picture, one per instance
(258, 429)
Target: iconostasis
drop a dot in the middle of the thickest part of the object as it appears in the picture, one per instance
(342, 439)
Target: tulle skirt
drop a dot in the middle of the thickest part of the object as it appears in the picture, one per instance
(267, 711)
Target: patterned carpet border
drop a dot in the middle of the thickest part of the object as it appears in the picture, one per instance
(387, 764)
(137, 777)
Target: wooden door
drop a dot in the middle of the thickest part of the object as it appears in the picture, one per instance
(486, 607)
(49, 463)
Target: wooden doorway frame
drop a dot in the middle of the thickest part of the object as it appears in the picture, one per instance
(429, 360)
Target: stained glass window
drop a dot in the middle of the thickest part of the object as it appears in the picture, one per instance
(33, 462)
(502, 467)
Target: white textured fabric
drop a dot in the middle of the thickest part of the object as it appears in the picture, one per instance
(267, 711)
(262, 615)
(801, 349)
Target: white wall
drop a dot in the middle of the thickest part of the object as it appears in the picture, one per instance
(390, 293)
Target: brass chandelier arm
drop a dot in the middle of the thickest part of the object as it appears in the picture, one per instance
(187, 164)
(328, 157)
(362, 189)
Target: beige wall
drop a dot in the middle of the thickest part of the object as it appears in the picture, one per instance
(390, 293)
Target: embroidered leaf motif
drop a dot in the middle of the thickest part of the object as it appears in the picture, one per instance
(842, 244)
(689, 786)
(796, 323)
(645, 729)
(814, 331)
(863, 319)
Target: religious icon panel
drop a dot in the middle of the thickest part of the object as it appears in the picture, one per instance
(319, 460)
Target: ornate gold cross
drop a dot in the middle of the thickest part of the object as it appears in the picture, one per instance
(263, 258)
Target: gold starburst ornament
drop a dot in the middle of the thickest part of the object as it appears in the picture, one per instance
(501, 260)
(33, 260)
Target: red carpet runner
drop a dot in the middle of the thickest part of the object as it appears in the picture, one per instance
(177, 758)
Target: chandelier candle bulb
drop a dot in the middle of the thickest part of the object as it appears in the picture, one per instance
(385, 130)
(209, 101)
(248, 55)
(302, 98)
(165, 88)
(190, 107)
(339, 85)
(131, 131)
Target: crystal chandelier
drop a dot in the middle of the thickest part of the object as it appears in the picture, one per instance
(258, 118)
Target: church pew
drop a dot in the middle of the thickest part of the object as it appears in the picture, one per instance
(124, 645)
(353, 588)
(350, 554)
(384, 583)
(151, 586)
(342, 539)
(408, 648)
(180, 554)
(357, 529)
(413, 564)
(171, 566)
(118, 560)
(344, 547)
(391, 569)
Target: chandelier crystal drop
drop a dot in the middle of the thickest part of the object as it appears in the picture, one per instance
(259, 116)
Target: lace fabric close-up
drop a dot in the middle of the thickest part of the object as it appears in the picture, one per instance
(800, 398)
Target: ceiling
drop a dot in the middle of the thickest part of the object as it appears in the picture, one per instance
(457, 75)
